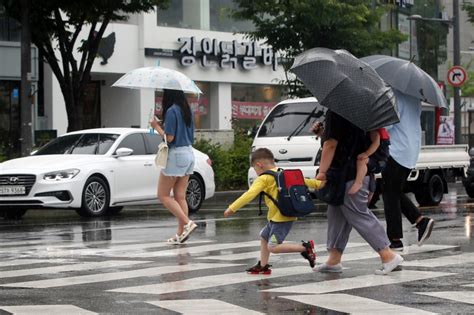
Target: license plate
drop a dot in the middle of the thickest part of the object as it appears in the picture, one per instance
(12, 190)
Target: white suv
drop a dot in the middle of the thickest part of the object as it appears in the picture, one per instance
(286, 132)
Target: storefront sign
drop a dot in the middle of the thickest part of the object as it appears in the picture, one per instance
(199, 106)
(251, 110)
(445, 130)
(221, 54)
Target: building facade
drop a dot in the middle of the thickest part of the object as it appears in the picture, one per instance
(239, 78)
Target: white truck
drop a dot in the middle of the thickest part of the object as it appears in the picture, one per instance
(285, 131)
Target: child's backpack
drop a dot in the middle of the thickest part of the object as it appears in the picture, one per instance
(294, 199)
(382, 154)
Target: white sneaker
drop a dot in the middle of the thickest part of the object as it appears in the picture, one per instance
(173, 240)
(390, 266)
(188, 229)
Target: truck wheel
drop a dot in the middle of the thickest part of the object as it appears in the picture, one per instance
(431, 193)
(469, 186)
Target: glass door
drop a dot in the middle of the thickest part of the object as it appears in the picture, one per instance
(10, 119)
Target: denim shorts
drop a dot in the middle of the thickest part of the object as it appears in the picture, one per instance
(180, 161)
(275, 232)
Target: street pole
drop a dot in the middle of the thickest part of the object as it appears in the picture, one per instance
(456, 62)
(25, 101)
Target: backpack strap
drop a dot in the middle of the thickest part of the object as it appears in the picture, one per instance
(260, 197)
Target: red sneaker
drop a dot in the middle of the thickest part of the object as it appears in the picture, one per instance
(258, 269)
(309, 254)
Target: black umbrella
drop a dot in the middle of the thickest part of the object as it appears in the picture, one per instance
(348, 87)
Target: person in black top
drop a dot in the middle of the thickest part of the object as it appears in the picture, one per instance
(340, 140)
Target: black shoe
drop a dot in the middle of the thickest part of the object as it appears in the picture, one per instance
(425, 226)
(396, 245)
(258, 269)
(309, 253)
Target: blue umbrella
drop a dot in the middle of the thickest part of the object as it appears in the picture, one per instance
(408, 78)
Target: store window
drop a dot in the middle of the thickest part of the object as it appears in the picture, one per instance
(221, 20)
(10, 116)
(214, 15)
(182, 14)
(199, 105)
(9, 28)
(251, 103)
(428, 125)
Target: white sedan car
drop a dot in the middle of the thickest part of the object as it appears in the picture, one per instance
(96, 172)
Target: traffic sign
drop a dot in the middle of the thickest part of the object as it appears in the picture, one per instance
(457, 76)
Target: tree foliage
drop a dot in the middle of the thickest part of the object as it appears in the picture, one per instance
(292, 26)
(55, 29)
(469, 8)
(431, 37)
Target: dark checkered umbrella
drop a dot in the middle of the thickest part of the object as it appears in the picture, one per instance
(348, 87)
(408, 78)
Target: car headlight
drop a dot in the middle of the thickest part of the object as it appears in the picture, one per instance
(60, 175)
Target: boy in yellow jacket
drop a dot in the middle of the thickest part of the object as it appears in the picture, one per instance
(278, 226)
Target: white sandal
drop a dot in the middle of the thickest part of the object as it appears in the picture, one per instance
(173, 240)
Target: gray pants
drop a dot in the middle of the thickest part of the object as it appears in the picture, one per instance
(354, 213)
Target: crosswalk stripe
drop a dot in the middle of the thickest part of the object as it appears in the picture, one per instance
(192, 250)
(211, 281)
(203, 306)
(46, 309)
(351, 304)
(464, 258)
(110, 250)
(22, 246)
(73, 267)
(111, 276)
(113, 251)
(20, 262)
(359, 282)
(255, 254)
(458, 296)
(413, 249)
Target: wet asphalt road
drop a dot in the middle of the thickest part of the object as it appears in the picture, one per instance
(56, 262)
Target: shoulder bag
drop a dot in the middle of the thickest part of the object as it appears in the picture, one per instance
(161, 157)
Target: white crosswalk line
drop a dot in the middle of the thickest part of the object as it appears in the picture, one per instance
(72, 267)
(113, 250)
(40, 245)
(46, 309)
(203, 306)
(20, 262)
(351, 304)
(360, 282)
(464, 258)
(256, 254)
(192, 250)
(413, 249)
(458, 296)
(111, 276)
(211, 281)
(126, 250)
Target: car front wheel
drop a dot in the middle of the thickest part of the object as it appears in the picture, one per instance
(95, 198)
(195, 193)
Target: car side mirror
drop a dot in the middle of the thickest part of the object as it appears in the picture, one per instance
(123, 152)
(471, 152)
